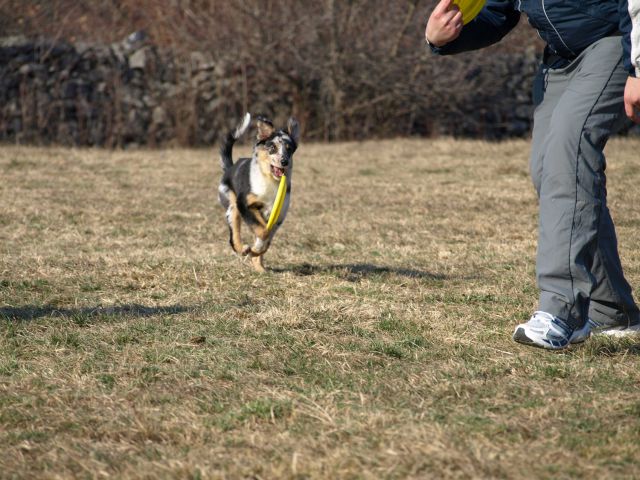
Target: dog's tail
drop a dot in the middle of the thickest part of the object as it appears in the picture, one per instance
(226, 160)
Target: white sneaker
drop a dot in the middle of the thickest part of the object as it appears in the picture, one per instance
(548, 331)
(614, 329)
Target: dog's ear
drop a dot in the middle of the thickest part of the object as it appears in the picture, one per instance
(265, 128)
(293, 129)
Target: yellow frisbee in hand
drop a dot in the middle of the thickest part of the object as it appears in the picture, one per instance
(277, 205)
(469, 8)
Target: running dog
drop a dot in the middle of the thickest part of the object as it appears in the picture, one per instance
(248, 187)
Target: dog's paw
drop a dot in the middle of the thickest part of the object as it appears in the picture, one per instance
(246, 249)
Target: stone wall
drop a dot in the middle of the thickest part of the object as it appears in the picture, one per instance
(123, 94)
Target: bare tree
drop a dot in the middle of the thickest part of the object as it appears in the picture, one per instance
(348, 69)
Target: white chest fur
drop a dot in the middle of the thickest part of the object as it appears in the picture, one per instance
(265, 189)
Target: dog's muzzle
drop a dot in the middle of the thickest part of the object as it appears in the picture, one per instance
(278, 171)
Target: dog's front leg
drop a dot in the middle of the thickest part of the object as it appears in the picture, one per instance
(263, 239)
(260, 246)
(258, 266)
(261, 243)
(258, 250)
(259, 228)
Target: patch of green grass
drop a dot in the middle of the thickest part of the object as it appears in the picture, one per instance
(265, 409)
(35, 285)
(66, 339)
(107, 380)
(8, 366)
(258, 410)
(390, 349)
(36, 436)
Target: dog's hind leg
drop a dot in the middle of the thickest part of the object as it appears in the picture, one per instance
(235, 224)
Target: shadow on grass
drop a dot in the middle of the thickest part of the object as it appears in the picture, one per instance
(31, 312)
(356, 271)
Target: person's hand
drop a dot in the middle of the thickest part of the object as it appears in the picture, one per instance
(444, 25)
(632, 99)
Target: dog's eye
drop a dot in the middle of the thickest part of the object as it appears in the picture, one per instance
(272, 148)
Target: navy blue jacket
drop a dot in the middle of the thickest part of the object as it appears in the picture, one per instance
(568, 26)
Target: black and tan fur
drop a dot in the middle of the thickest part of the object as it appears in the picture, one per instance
(248, 187)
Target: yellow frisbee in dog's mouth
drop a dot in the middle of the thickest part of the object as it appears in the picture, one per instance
(277, 205)
(469, 8)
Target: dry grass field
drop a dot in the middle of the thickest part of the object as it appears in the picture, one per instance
(133, 344)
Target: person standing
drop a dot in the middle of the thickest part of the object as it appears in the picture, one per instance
(578, 95)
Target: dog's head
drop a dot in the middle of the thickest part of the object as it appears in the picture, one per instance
(274, 148)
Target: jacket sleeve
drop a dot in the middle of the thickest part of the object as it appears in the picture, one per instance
(497, 18)
(630, 28)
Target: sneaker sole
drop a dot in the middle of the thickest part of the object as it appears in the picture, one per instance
(520, 336)
(619, 332)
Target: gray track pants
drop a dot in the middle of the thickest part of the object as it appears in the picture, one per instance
(578, 268)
